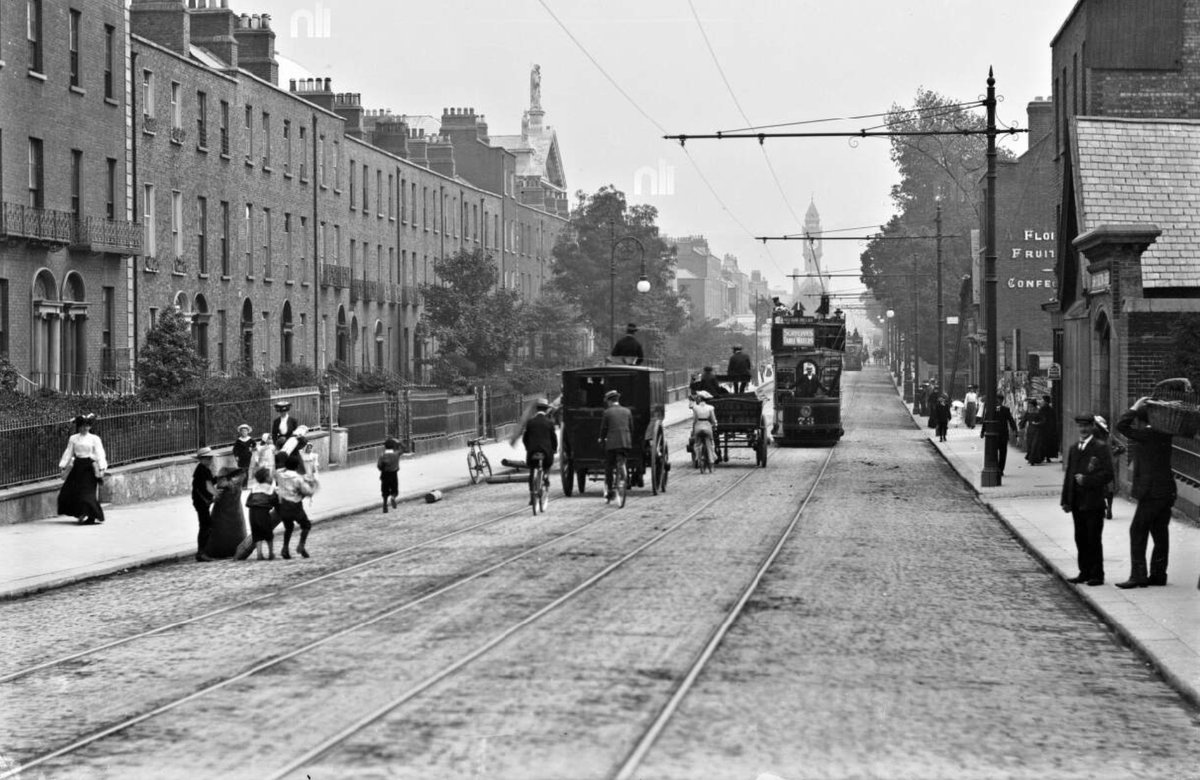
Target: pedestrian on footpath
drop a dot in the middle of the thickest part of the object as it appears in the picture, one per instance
(202, 498)
(264, 455)
(970, 406)
(1031, 424)
(1005, 424)
(941, 417)
(83, 464)
(227, 537)
(1050, 442)
(389, 472)
(1089, 468)
(243, 448)
(262, 503)
(1114, 449)
(1154, 489)
(616, 437)
(292, 487)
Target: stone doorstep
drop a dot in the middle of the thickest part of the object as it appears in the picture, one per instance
(135, 483)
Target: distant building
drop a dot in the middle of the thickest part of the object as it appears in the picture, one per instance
(698, 277)
(811, 281)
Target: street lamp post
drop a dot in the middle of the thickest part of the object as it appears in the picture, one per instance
(990, 476)
(891, 342)
(941, 319)
(643, 285)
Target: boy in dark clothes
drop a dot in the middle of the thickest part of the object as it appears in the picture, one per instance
(389, 472)
(261, 502)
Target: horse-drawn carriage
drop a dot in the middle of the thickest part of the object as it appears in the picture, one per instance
(740, 423)
(644, 392)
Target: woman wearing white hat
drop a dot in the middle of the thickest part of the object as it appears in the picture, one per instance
(704, 425)
(86, 461)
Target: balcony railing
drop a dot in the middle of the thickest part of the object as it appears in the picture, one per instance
(337, 276)
(95, 234)
(373, 290)
(356, 289)
(34, 224)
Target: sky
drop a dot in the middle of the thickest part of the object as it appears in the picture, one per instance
(654, 73)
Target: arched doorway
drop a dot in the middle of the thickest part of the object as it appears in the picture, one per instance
(247, 361)
(74, 334)
(1102, 367)
(286, 332)
(47, 331)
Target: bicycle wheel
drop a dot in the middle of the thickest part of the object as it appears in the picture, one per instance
(485, 468)
(705, 460)
(473, 467)
(536, 490)
(622, 482)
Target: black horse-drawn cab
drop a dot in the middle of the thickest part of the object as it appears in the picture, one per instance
(644, 392)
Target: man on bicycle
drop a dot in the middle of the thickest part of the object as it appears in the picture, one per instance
(539, 439)
(616, 435)
(704, 425)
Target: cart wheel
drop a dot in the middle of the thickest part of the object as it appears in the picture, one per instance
(762, 447)
(658, 468)
(666, 469)
(567, 471)
(581, 479)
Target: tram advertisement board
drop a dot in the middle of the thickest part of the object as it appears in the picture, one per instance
(798, 337)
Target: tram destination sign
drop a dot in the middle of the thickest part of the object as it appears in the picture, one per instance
(798, 337)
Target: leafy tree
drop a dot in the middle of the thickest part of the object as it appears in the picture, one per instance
(584, 264)
(1185, 360)
(553, 329)
(933, 169)
(468, 314)
(168, 361)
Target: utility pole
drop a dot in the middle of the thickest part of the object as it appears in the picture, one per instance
(941, 319)
(990, 477)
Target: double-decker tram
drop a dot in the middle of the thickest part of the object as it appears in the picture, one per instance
(808, 354)
(852, 360)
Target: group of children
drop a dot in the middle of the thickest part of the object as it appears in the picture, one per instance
(285, 473)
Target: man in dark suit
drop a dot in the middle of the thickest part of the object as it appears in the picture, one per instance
(540, 438)
(629, 347)
(1155, 491)
(708, 382)
(1089, 469)
(739, 369)
(616, 436)
(1005, 425)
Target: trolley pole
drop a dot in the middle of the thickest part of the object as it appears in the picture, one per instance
(990, 477)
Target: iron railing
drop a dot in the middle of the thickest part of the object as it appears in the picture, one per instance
(337, 276)
(356, 288)
(48, 225)
(410, 295)
(96, 234)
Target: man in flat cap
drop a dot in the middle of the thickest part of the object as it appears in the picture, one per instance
(616, 436)
(628, 347)
(1089, 469)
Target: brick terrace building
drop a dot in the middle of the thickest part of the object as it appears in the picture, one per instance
(66, 226)
(292, 224)
(1127, 232)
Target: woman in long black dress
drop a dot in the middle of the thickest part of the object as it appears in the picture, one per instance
(84, 455)
(228, 519)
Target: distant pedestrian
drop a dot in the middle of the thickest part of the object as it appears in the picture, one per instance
(228, 521)
(284, 425)
(616, 437)
(1089, 468)
(83, 464)
(970, 406)
(1114, 449)
(262, 503)
(264, 455)
(1155, 491)
(292, 487)
(389, 472)
(312, 463)
(1005, 424)
(202, 498)
(941, 417)
(1031, 424)
(243, 448)
(740, 370)
(628, 348)
(1049, 415)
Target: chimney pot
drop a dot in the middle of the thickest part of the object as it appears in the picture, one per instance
(266, 21)
(292, 85)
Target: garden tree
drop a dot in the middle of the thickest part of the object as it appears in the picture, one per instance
(1185, 358)
(468, 314)
(704, 343)
(552, 329)
(582, 268)
(168, 360)
(933, 169)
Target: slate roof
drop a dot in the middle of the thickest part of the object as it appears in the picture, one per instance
(1143, 171)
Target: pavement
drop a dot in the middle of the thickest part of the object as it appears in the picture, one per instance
(1163, 623)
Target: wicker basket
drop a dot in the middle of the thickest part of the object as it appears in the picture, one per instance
(1174, 408)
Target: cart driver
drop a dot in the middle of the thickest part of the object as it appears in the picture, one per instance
(704, 425)
(628, 348)
(616, 436)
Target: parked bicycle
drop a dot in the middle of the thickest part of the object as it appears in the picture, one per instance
(478, 466)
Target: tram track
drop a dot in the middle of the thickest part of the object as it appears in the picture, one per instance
(377, 616)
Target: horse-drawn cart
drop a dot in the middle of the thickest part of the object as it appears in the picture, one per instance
(643, 391)
(740, 423)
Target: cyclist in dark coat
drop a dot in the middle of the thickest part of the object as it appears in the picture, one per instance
(540, 438)
(616, 436)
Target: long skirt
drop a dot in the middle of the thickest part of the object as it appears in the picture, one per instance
(79, 495)
(969, 415)
(228, 524)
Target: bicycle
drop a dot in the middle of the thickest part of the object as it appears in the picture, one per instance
(620, 480)
(702, 458)
(478, 466)
(539, 485)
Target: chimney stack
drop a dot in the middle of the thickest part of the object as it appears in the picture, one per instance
(213, 26)
(166, 22)
(256, 47)
(1041, 119)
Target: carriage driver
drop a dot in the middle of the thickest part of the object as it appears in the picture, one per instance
(540, 438)
(616, 436)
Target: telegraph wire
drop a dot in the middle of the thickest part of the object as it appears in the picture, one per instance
(848, 118)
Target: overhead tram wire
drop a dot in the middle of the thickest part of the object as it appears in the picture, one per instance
(848, 118)
(579, 45)
(738, 104)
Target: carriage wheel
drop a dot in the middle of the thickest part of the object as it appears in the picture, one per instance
(666, 468)
(656, 465)
(581, 479)
(567, 471)
(762, 447)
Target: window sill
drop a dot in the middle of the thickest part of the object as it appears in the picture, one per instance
(202, 149)
(226, 278)
(380, 216)
(289, 282)
(111, 101)
(249, 278)
(268, 280)
(392, 219)
(174, 142)
(150, 133)
(35, 74)
(225, 157)
(287, 175)
(268, 169)
(1, 63)
(202, 275)
(178, 273)
(77, 89)
(304, 284)
(324, 186)
(249, 163)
